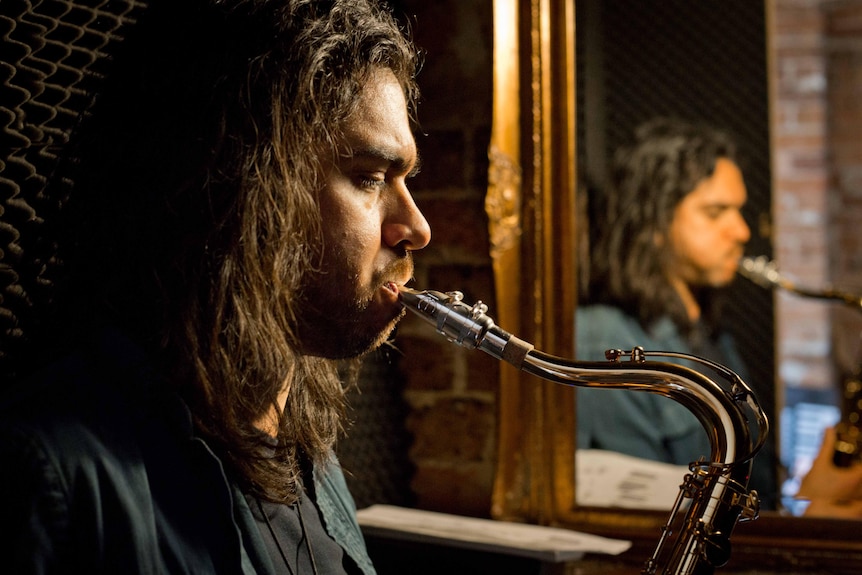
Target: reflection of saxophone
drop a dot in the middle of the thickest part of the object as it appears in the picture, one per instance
(765, 273)
(699, 539)
(848, 444)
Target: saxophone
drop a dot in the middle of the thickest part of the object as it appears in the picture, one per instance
(848, 444)
(713, 496)
(764, 272)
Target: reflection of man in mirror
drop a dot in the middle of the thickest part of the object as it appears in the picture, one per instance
(666, 235)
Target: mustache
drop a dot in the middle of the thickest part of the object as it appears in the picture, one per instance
(396, 271)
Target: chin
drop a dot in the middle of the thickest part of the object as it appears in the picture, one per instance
(384, 334)
(345, 342)
(722, 282)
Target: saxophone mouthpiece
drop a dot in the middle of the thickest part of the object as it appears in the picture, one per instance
(409, 297)
(430, 305)
(464, 324)
(449, 315)
(761, 271)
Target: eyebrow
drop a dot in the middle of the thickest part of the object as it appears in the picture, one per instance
(722, 204)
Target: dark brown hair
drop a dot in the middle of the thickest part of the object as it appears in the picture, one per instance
(648, 178)
(194, 199)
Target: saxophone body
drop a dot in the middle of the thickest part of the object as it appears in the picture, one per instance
(713, 496)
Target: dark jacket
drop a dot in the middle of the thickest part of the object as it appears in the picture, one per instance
(102, 472)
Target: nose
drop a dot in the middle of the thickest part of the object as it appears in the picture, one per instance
(404, 224)
(741, 231)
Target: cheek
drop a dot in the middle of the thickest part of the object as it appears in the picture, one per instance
(351, 244)
(352, 227)
(704, 249)
(693, 246)
(338, 220)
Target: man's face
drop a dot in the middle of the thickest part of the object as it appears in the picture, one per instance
(370, 226)
(708, 233)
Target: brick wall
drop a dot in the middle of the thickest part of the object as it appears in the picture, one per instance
(800, 182)
(452, 391)
(817, 205)
(844, 81)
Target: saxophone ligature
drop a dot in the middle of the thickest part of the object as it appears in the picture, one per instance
(848, 443)
(713, 497)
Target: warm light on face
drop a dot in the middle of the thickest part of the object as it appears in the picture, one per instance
(708, 233)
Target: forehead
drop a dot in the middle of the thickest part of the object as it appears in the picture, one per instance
(380, 117)
(725, 186)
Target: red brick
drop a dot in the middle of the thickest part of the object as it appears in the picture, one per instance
(459, 228)
(453, 430)
(462, 489)
(427, 363)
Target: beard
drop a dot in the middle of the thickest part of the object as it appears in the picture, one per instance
(344, 332)
(343, 319)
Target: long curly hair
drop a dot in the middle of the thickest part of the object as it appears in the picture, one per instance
(194, 217)
(648, 178)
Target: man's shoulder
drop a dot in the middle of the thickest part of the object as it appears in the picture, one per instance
(600, 327)
(86, 405)
(605, 313)
(604, 321)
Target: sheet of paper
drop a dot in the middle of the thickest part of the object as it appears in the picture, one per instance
(609, 479)
(546, 543)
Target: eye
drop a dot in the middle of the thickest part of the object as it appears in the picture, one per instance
(371, 182)
(715, 212)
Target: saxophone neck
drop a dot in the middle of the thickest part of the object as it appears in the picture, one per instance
(718, 409)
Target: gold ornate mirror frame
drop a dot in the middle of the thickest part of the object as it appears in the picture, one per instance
(531, 204)
(533, 243)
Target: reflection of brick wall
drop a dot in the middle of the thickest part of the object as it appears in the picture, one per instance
(844, 57)
(451, 391)
(817, 204)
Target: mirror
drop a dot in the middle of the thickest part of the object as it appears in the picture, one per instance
(532, 203)
(638, 61)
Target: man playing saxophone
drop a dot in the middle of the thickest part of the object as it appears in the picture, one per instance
(666, 235)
